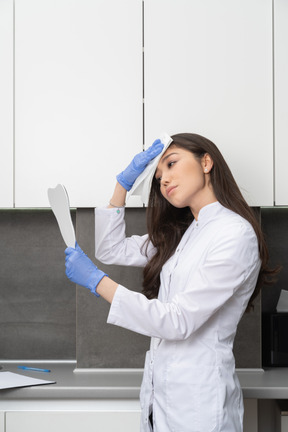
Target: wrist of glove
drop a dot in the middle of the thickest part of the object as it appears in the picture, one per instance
(127, 177)
(81, 270)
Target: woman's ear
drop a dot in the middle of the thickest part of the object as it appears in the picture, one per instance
(207, 163)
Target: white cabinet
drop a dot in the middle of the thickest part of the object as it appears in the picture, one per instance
(93, 421)
(71, 85)
(72, 421)
(78, 97)
(2, 421)
(6, 103)
(281, 100)
(208, 70)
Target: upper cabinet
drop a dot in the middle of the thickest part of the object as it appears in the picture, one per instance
(6, 103)
(208, 70)
(281, 100)
(72, 80)
(78, 97)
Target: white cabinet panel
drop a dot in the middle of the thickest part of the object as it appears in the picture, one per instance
(118, 420)
(78, 97)
(281, 100)
(58, 421)
(6, 103)
(208, 70)
(2, 421)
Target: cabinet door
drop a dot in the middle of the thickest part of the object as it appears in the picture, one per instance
(78, 97)
(6, 103)
(2, 421)
(208, 70)
(57, 421)
(281, 100)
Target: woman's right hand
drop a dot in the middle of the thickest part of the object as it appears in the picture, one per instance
(81, 270)
(127, 177)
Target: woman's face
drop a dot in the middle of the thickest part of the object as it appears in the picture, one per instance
(184, 179)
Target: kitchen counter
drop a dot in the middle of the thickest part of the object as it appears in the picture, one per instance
(106, 397)
(91, 384)
(73, 383)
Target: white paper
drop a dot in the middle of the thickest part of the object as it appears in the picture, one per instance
(142, 184)
(13, 380)
(282, 305)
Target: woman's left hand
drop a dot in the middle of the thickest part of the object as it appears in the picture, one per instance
(81, 270)
(127, 177)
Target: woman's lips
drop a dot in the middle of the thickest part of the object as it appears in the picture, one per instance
(170, 189)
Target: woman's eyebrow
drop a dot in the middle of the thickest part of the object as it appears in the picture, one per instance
(165, 157)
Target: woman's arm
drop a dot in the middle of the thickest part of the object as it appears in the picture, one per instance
(118, 197)
(226, 276)
(107, 288)
(111, 244)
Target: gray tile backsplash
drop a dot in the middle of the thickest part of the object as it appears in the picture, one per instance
(37, 302)
(43, 316)
(100, 344)
(275, 226)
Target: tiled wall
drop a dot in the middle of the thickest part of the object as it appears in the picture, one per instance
(100, 344)
(41, 315)
(37, 302)
(275, 226)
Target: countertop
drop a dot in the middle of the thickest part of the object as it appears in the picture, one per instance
(77, 384)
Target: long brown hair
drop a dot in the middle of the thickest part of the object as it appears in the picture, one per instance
(166, 224)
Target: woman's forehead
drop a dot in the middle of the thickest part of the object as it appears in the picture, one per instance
(168, 151)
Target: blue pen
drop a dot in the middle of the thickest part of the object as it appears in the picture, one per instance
(33, 369)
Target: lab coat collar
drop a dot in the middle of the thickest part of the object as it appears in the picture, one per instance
(207, 213)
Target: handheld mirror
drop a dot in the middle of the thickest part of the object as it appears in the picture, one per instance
(59, 202)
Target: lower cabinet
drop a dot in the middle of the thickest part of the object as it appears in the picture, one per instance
(2, 421)
(62, 421)
(69, 420)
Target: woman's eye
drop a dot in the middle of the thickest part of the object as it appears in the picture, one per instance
(170, 164)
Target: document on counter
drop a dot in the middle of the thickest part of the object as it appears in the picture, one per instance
(12, 380)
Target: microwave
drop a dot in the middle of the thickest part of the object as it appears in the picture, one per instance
(275, 339)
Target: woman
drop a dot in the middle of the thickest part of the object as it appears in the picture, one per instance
(204, 260)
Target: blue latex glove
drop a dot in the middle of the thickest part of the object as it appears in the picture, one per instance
(81, 270)
(127, 177)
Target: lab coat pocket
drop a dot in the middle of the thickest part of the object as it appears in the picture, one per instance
(193, 398)
(146, 392)
(146, 386)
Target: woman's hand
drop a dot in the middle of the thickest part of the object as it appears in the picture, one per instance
(127, 177)
(81, 270)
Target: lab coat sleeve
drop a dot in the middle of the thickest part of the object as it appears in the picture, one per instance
(229, 266)
(111, 244)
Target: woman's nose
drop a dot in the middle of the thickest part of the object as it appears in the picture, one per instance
(164, 180)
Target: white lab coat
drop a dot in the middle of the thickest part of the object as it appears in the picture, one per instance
(189, 376)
